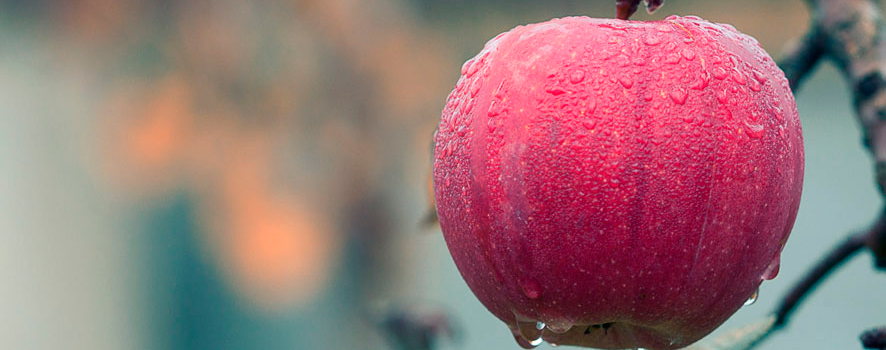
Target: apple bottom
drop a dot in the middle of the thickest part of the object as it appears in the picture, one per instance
(612, 335)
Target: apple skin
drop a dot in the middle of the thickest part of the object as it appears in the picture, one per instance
(628, 184)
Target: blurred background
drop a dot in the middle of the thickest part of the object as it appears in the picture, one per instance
(221, 174)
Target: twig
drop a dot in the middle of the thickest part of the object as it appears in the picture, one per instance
(837, 256)
(852, 34)
(874, 338)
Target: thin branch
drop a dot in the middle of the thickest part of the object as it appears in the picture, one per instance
(801, 57)
(874, 338)
(851, 34)
(834, 259)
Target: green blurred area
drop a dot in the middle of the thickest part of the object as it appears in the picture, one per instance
(238, 175)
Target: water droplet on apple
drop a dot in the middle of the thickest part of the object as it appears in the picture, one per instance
(664, 28)
(755, 85)
(772, 269)
(525, 344)
(577, 76)
(755, 130)
(555, 90)
(495, 109)
(528, 333)
(626, 81)
(678, 96)
(738, 77)
(559, 326)
(469, 68)
(491, 125)
(719, 73)
(688, 54)
(759, 77)
(531, 289)
(672, 58)
(721, 96)
(475, 87)
(651, 40)
(701, 82)
(753, 298)
(462, 131)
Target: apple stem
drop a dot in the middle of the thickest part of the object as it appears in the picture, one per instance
(625, 8)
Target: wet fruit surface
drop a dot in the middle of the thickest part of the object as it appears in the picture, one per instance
(618, 184)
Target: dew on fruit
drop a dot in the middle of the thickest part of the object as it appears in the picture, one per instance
(721, 96)
(755, 86)
(759, 77)
(531, 289)
(701, 82)
(672, 58)
(555, 90)
(469, 68)
(651, 40)
(525, 344)
(475, 87)
(755, 130)
(664, 28)
(678, 96)
(591, 105)
(577, 76)
(738, 77)
(626, 81)
(772, 270)
(494, 110)
(559, 327)
(753, 298)
(719, 73)
(688, 54)
(528, 333)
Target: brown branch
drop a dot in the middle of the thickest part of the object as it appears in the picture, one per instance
(851, 34)
(874, 338)
(828, 264)
(801, 57)
(834, 259)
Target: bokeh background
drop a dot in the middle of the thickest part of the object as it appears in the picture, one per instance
(222, 174)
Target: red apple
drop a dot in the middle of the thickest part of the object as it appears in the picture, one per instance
(620, 184)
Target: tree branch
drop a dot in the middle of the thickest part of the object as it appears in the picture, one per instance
(874, 339)
(834, 259)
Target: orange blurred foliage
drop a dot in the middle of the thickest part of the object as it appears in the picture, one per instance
(232, 120)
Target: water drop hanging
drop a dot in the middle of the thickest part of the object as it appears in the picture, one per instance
(753, 298)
